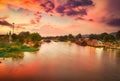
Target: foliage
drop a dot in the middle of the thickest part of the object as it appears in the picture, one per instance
(35, 37)
(71, 38)
(36, 44)
(8, 48)
(118, 35)
(93, 36)
(28, 49)
(78, 36)
(101, 36)
(109, 38)
(63, 38)
(23, 37)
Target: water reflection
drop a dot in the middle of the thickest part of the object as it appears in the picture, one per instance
(11, 56)
(63, 62)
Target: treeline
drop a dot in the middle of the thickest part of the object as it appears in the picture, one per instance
(105, 37)
(23, 37)
(69, 37)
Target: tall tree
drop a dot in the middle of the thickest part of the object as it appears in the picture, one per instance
(118, 35)
(103, 35)
(109, 38)
(35, 37)
(78, 36)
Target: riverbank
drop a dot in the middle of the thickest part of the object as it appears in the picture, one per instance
(10, 48)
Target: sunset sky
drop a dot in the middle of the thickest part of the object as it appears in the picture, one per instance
(60, 17)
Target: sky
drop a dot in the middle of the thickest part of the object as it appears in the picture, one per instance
(60, 17)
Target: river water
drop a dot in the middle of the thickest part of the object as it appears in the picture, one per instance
(60, 61)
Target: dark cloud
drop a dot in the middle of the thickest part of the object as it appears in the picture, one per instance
(113, 7)
(60, 9)
(48, 6)
(5, 23)
(113, 15)
(79, 18)
(81, 12)
(37, 18)
(77, 3)
(90, 20)
(114, 22)
(74, 7)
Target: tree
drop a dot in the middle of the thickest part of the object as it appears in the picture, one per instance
(78, 36)
(14, 37)
(23, 36)
(35, 37)
(63, 38)
(109, 38)
(71, 38)
(118, 35)
(101, 36)
(93, 36)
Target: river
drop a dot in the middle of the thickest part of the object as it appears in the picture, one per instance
(60, 61)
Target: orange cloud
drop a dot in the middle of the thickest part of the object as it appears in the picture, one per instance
(4, 17)
(32, 5)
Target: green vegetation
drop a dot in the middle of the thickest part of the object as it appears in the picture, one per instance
(118, 35)
(105, 37)
(9, 48)
(26, 37)
(109, 38)
(78, 36)
(12, 54)
(23, 42)
(69, 37)
(63, 38)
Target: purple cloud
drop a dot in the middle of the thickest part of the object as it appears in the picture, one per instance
(48, 6)
(74, 7)
(81, 12)
(114, 22)
(5, 23)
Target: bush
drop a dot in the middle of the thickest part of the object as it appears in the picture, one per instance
(36, 44)
(2, 49)
(14, 48)
(4, 45)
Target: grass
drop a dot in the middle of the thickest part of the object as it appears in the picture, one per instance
(12, 54)
(13, 48)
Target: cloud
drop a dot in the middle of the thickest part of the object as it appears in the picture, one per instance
(37, 18)
(66, 7)
(32, 5)
(74, 8)
(5, 23)
(113, 7)
(81, 12)
(4, 17)
(114, 22)
(77, 3)
(112, 11)
(48, 6)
